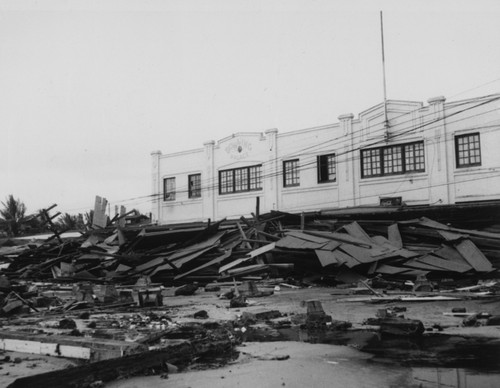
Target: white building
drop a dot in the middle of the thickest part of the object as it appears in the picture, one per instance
(440, 153)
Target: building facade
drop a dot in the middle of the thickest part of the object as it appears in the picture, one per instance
(439, 153)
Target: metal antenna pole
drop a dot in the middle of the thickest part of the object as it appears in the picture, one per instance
(386, 121)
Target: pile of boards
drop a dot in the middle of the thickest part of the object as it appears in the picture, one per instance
(271, 245)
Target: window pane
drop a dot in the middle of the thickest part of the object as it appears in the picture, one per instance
(371, 162)
(169, 189)
(255, 178)
(194, 182)
(240, 179)
(393, 162)
(291, 173)
(326, 168)
(468, 150)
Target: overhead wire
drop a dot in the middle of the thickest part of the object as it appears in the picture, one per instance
(331, 144)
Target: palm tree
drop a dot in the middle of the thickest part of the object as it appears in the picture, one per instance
(12, 214)
(68, 222)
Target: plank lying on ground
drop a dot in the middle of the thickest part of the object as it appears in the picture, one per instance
(108, 370)
(93, 349)
(257, 268)
(176, 352)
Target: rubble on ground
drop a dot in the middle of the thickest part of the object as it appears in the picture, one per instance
(92, 297)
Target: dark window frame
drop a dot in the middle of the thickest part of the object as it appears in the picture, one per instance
(461, 155)
(240, 180)
(291, 175)
(194, 185)
(326, 167)
(169, 192)
(398, 159)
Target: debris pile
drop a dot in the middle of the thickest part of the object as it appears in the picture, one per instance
(268, 246)
(99, 297)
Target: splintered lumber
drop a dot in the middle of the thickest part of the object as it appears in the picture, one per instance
(450, 236)
(356, 231)
(299, 240)
(362, 255)
(250, 255)
(394, 236)
(176, 352)
(450, 253)
(390, 270)
(258, 268)
(436, 225)
(341, 237)
(474, 256)
(100, 219)
(208, 264)
(262, 250)
(326, 257)
(185, 259)
(445, 265)
(108, 370)
(344, 258)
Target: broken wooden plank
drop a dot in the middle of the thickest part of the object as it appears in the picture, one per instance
(344, 258)
(451, 236)
(177, 352)
(326, 257)
(258, 268)
(294, 242)
(390, 270)
(474, 256)
(208, 264)
(262, 250)
(447, 265)
(362, 255)
(342, 237)
(356, 231)
(394, 235)
(93, 349)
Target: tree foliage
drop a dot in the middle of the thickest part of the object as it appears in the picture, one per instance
(12, 215)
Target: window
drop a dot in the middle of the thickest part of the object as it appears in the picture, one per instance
(238, 180)
(414, 157)
(194, 182)
(393, 160)
(291, 173)
(326, 168)
(169, 189)
(468, 150)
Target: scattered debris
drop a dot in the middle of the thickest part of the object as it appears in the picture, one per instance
(94, 292)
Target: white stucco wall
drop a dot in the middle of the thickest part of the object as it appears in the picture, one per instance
(436, 124)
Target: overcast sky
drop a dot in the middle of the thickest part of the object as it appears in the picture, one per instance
(89, 88)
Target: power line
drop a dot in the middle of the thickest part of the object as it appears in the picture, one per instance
(211, 184)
